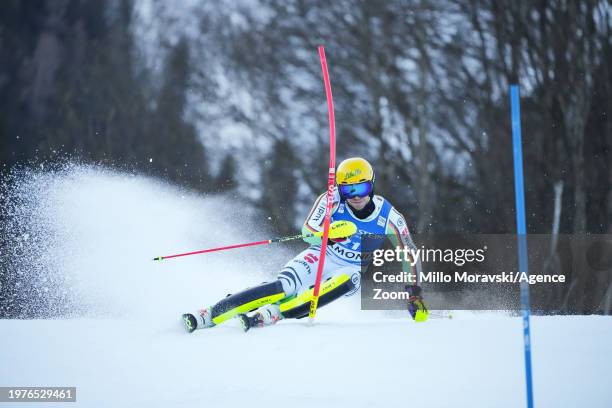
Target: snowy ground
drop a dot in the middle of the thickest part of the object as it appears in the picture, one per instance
(129, 350)
(374, 362)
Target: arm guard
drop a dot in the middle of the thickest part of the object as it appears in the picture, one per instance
(316, 216)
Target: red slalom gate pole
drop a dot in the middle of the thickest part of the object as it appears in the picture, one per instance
(330, 183)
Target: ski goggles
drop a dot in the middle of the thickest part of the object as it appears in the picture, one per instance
(355, 190)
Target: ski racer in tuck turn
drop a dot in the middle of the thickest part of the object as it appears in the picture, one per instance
(290, 294)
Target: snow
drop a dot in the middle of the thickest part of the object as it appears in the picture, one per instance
(371, 362)
(128, 349)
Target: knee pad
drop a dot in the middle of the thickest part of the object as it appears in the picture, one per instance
(247, 301)
(330, 290)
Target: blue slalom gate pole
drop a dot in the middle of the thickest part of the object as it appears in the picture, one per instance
(521, 230)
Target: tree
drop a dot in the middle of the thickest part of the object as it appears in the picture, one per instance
(173, 142)
(226, 179)
(279, 187)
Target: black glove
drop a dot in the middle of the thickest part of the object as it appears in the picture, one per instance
(416, 306)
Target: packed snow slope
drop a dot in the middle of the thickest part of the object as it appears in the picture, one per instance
(125, 346)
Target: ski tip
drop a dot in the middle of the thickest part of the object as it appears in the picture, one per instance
(158, 258)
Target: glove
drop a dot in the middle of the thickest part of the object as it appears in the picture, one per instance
(416, 306)
(333, 241)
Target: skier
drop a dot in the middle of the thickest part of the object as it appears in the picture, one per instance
(290, 294)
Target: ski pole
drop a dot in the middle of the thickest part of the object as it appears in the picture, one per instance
(440, 314)
(340, 229)
(203, 251)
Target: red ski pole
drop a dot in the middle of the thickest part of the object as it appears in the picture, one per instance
(203, 251)
(340, 229)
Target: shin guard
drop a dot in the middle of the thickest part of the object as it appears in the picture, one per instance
(330, 290)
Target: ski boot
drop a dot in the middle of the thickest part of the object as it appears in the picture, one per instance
(199, 320)
(265, 316)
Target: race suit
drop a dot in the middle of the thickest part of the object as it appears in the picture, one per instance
(299, 274)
